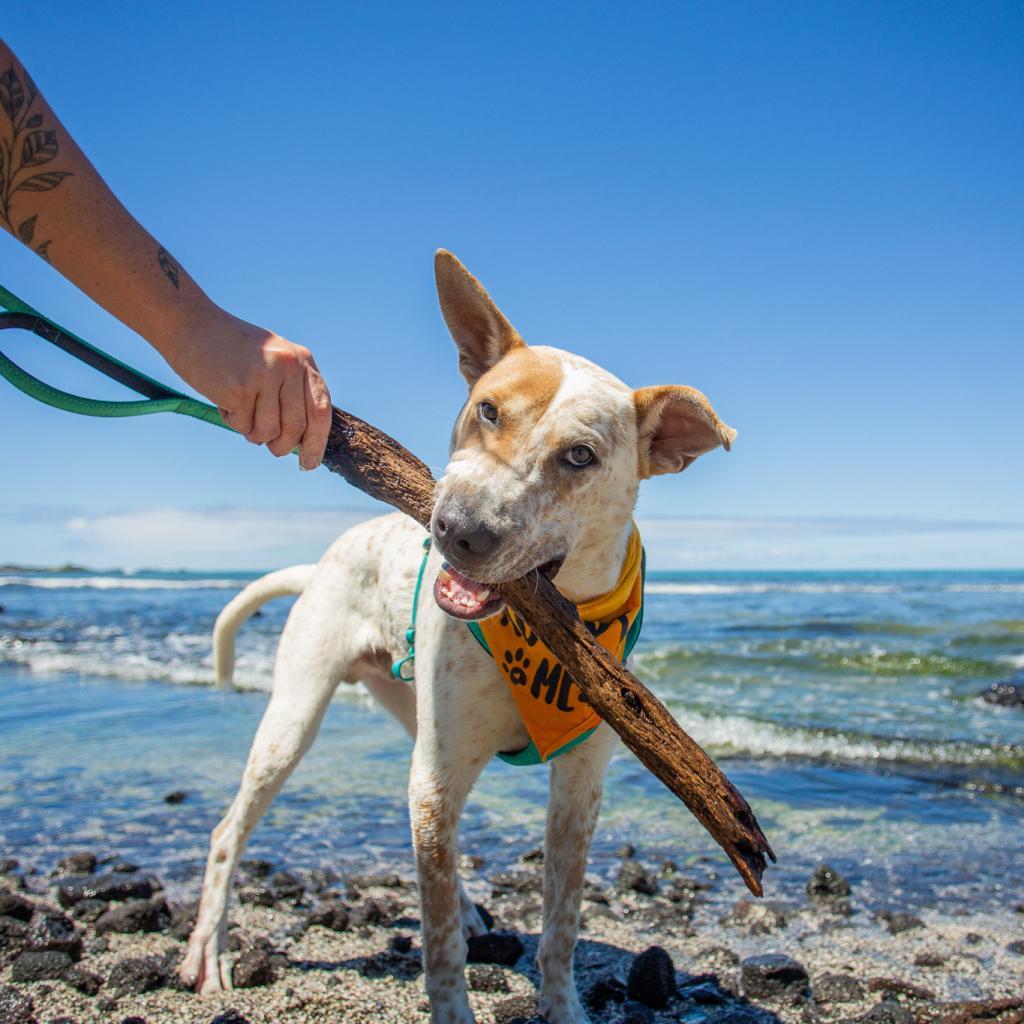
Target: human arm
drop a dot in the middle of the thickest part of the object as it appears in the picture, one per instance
(53, 200)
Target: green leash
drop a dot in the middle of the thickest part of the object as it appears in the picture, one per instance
(158, 397)
(410, 634)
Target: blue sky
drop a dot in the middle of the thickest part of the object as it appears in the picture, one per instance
(812, 212)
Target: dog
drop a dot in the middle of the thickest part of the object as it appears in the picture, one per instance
(547, 456)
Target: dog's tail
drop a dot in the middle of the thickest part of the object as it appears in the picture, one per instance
(284, 583)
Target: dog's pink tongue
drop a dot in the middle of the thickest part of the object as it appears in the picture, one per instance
(458, 593)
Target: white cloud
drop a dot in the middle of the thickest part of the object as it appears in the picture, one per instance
(259, 538)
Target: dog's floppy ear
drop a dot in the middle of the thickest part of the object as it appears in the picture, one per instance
(675, 424)
(480, 331)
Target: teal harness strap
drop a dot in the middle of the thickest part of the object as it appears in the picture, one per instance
(410, 633)
(159, 397)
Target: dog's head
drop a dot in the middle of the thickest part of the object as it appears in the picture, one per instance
(546, 455)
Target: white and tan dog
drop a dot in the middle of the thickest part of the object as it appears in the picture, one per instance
(547, 456)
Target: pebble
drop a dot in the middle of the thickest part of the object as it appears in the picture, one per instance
(176, 796)
(1015, 947)
(901, 922)
(231, 1016)
(827, 882)
(773, 976)
(486, 978)
(634, 877)
(82, 863)
(534, 856)
(704, 991)
(495, 948)
(1007, 695)
(15, 1007)
(7, 865)
(517, 1010)
(759, 918)
(652, 978)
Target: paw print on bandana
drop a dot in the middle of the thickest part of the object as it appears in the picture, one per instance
(516, 665)
(519, 627)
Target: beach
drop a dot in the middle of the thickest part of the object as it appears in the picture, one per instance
(845, 706)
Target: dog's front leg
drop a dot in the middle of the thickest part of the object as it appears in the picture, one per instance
(575, 798)
(437, 791)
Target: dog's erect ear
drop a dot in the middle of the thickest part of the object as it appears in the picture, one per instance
(676, 424)
(480, 331)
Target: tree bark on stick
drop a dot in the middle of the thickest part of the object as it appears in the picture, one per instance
(378, 465)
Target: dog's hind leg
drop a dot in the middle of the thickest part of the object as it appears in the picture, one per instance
(304, 681)
(575, 798)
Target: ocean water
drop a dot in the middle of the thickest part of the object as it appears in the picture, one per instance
(843, 705)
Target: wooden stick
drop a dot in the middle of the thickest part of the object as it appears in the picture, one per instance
(377, 464)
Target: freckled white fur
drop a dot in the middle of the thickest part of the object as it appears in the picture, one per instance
(349, 625)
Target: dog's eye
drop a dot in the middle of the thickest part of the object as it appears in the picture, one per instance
(488, 411)
(580, 455)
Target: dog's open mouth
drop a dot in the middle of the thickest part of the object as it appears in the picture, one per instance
(465, 598)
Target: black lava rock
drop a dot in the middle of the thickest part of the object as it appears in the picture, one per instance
(604, 991)
(89, 910)
(107, 887)
(137, 975)
(773, 976)
(486, 978)
(12, 935)
(15, 1006)
(522, 882)
(13, 905)
(259, 895)
(45, 966)
(827, 882)
(371, 881)
(253, 969)
(373, 911)
(517, 1010)
(1007, 695)
(704, 991)
(255, 867)
(901, 922)
(285, 886)
(888, 1011)
(627, 851)
(634, 877)
(495, 948)
(134, 1020)
(52, 930)
(81, 863)
(838, 988)
(183, 919)
(135, 916)
(231, 1016)
(85, 981)
(652, 978)
(1015, 947)
(332, 914)
(637, 1013)
(176, 796)
(124, 867)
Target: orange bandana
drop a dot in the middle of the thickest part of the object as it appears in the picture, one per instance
(550, 703)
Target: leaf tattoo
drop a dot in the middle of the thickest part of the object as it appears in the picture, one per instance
(27, 229)
(169, 265)
(25, 144)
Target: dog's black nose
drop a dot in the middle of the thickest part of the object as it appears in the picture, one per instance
(468, 540)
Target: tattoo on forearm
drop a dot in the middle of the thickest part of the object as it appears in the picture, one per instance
(25, 145)
(169, 265)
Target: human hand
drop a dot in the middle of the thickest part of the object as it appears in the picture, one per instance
(266, 387)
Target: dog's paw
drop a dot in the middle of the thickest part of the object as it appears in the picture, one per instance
(562, 1009)
(206, 968)
(472, 922)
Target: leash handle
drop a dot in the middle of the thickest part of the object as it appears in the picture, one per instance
(158, 397)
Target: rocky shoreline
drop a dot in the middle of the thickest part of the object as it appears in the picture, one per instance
(100, 941)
